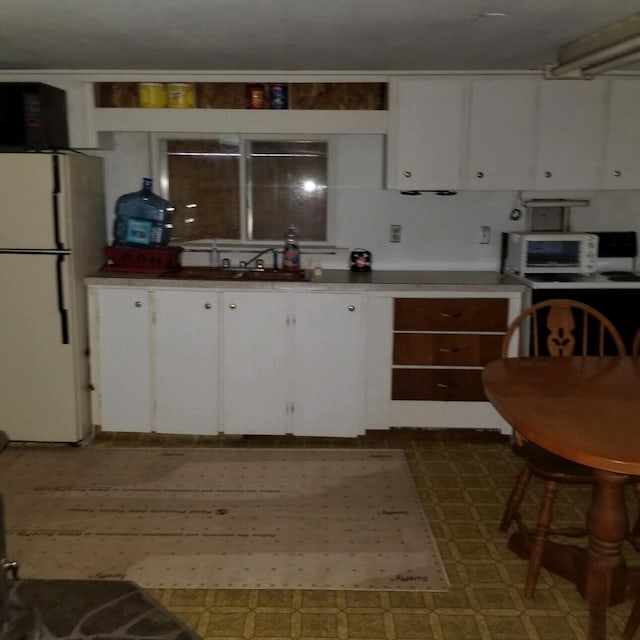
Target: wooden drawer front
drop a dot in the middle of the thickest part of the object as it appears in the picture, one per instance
(455, 349)
(450, 314)
(437, 384)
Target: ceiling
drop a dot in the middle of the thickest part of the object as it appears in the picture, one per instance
(296, 35)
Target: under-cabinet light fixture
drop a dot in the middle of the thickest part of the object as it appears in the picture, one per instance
(616, 46)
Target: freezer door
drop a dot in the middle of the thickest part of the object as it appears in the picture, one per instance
(39, 385)
(28, 204)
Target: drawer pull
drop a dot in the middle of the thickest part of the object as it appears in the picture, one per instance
(207, 305)
(445, 350)
(138, 303)
(351, 307)
(443, 385)
(457, 314)
(233, 305)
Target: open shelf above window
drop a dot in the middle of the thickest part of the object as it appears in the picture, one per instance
(352, 96)
(322, 108)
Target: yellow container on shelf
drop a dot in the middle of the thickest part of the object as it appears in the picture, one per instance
(181, 95)
(152, 95)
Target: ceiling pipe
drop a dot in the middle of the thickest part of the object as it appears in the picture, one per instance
(615, 46)
(611, 57)
(613, 64)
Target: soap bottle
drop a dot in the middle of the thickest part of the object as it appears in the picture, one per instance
(142, 219)
(291, 255)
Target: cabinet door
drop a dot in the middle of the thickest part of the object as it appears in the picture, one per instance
(257, 362)
(330, 372)
(622, 161)
(502, 133)
(124, 335)
(426, 133)
(186, 362)
(571, 134)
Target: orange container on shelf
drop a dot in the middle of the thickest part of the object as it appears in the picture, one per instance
(256, 96)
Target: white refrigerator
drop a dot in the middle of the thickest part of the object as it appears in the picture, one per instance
(52, 234)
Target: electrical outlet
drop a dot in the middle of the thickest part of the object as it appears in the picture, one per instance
(395, 233)
(485, 234)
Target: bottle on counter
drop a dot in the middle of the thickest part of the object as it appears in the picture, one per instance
(143, 219)
(291, 254)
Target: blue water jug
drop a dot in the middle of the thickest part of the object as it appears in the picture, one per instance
(143, 219)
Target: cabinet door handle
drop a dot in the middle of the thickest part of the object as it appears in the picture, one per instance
(447, 350)
(351, 307)
(617, 173)
(547, 174)
(207, 305)
(479, 174)
(138, 303)
(455, 314)
(407, 174)
(232, 305)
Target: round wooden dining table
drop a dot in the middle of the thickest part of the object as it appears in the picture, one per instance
(586, 409)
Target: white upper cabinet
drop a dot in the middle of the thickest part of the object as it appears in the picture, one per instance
(502, 120)
(426, 132)
(571, 134)
(622, 157)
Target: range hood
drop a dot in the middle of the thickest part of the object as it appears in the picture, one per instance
(550, 210)
(568, 199)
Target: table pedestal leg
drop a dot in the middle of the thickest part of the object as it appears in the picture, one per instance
(606, 573)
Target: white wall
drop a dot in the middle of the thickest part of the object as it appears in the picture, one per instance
(438, 232)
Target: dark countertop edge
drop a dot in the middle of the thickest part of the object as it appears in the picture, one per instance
(331, 279)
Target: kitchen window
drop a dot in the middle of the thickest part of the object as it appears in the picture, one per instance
(245, 189)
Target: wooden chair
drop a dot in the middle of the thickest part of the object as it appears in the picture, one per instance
(634, 619)
(553, 328)
(635, 346)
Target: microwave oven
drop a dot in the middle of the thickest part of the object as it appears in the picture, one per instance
(33, 117)
(548, 252)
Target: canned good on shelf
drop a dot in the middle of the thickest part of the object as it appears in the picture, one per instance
(181, 95)
(278, 96)
(255, 96)
(152, 95)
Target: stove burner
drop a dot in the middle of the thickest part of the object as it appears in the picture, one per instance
(622, 276)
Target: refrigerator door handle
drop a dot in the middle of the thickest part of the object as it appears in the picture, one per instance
(64, 314)
(38, 252)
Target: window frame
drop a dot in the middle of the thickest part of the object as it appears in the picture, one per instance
(159, 170)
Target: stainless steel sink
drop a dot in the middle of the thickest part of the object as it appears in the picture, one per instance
(212, 273)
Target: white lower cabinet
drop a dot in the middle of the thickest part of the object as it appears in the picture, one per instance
(329, 381)
(186, 361)
(277, 361)
(256, 362)
(121, 358)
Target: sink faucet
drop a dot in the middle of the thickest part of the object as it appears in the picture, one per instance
(261, 253)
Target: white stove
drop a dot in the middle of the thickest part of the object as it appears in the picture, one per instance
(608, 279)
(614, 289)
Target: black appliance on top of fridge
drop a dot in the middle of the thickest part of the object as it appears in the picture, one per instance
(33, 116)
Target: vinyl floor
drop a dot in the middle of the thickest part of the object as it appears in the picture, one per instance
(463, 479)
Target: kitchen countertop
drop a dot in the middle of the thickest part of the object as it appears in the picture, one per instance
(330, 279)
